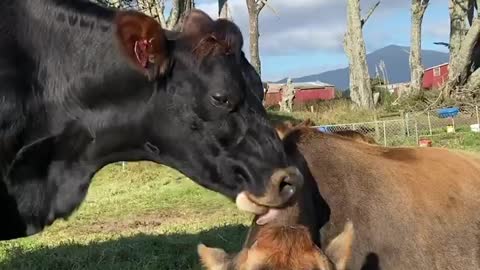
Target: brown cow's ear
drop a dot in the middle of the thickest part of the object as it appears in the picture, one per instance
(212, 258)
(340, 248)
(143, 41)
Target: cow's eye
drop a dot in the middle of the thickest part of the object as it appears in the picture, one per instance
(220, 100)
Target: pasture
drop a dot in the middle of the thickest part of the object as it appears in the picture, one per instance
(146, 216)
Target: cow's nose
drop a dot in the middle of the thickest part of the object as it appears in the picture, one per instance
(283, 185)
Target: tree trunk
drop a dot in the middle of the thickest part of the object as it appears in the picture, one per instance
(458, 14)
(153, 8)
(458, 10)
(360, 88)
(463, 42)
(416, 69)
(254, 36)
(288, 94)
(156, 8)
(223, 10)
(177, 14)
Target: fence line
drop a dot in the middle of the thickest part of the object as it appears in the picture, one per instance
(411, 127)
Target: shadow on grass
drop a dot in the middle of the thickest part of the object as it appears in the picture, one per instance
(173, 251)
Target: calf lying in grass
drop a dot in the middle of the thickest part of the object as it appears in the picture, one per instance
(413, 208)
(282, 248)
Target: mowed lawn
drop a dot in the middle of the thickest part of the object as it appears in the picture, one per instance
(146, 216)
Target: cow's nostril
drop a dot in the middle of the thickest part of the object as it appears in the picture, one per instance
(284, 183)
(286, 189)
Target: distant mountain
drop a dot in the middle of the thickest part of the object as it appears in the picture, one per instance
(396, 63)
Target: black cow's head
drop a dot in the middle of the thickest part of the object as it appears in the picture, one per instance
(207, 119)
(191, 102)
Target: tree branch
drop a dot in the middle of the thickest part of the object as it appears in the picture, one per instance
(161, 16)
(446, 44)
(471, 7)
(223, 10)
(424, 5)
(369, 13)
(174, 14)
(266, 3)
(261, 4)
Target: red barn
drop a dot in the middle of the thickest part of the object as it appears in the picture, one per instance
(435, 77)
(308, 91)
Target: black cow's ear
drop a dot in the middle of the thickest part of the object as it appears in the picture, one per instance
(32, 161)
(41, 181)
(206, 36)
(230, 34)
(144, 41)
(196, 26)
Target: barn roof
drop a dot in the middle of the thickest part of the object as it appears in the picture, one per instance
(309, 85)
(441, 65)
(276, 87)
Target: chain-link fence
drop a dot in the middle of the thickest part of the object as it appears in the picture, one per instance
(409, 128)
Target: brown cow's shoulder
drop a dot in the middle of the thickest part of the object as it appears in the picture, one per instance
(413, 208)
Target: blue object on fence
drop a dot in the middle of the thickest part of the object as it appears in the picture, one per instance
(323, 129)
(448, 112)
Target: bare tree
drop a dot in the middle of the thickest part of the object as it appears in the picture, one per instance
(354, 45)
(288, 94)
(418, 9)
(463, 75)
(156, 9)
(117, 3)
(254, 8)
(224, 10)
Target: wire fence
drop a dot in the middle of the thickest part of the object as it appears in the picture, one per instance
(409, 128)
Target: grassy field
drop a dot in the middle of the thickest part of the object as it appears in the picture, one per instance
(148, 216)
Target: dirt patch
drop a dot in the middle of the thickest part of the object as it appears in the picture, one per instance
(146, 222)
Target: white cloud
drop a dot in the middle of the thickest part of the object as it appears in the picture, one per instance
(301, 25)
(440, 31)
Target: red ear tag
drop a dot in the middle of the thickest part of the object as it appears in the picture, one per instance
(141, 52)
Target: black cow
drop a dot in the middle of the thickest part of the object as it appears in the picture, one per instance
(82, 86)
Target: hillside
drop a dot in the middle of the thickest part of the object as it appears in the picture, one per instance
(396, 62)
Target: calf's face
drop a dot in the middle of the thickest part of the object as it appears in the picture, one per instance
(283, 248)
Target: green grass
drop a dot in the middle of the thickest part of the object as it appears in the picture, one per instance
(146, 217)
(461, 140)
(326, 112)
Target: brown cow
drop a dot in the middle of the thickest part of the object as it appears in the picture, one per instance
(287, 126)
(413, 208)
(282, 248)
(356, 136)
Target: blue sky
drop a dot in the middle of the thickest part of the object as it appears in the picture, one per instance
(305, 36)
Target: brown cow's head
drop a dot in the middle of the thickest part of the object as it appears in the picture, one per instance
(285, 127)
(282, 248)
